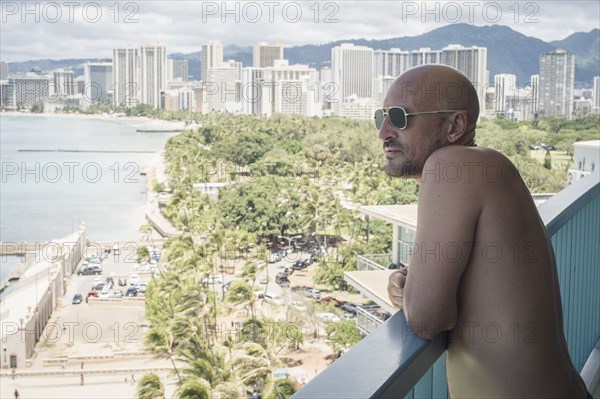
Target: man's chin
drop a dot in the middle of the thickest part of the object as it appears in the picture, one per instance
(406, 170)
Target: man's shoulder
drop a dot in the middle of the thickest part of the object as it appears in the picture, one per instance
(462, 165)
(461, 153)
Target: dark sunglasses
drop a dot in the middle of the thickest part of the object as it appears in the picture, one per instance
(398, 116)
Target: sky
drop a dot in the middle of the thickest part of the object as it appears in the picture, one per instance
(91, 29)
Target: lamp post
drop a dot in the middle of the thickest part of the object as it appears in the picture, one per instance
(5, 358)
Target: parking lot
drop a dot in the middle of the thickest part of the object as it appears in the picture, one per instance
(98, 327)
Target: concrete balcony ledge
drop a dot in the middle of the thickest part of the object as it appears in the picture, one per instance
(385, 364)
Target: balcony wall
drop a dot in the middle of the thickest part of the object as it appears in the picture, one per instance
(393, 363)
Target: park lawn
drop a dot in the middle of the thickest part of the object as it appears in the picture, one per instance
(559, 158)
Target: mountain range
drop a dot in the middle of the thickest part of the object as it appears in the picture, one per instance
(508, 51)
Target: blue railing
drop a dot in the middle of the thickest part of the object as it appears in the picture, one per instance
(392, 362)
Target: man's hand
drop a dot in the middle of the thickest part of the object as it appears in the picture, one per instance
(395, 288)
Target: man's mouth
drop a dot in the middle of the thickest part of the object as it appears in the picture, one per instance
(391, 150)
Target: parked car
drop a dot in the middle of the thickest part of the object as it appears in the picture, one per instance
(275, 257)
(98, 287)
(141, 287)
(91, 293)
(134, 279)
(349, 307)
(131, 291)
(298, 265)
(313, 293)
(122, 282)
(90, 270)
(116, 294)
(274, 298)
(77, 299)
(282, 279)
(330, 299)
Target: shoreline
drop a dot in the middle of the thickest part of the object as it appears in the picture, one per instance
(134, 121)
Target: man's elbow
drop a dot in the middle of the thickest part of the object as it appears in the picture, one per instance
(427, 325)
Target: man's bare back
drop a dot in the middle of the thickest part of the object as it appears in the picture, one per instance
(508, 339)
(482, 265)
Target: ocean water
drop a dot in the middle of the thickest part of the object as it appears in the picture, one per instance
(45, 195)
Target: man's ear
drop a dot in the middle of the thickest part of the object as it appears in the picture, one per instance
(457, 127)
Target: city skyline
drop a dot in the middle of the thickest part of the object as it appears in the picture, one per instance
(41, 30)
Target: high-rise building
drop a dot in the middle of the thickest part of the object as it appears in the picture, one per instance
(126, 83)
(3, 70)
(424, 56)
(98, 82)
(325, 75)
(23, 92)
(264, 54)
(596, 92)
(63, 84)
(381, 85)
(352, 72)
(153, 74)
(221, 89)
(251, 90)
(557, 78)
(287, 88)
(505, 85)
(177, 69)
(471, 61)
(392, 62)
(235, 65)
(182, 99)
(212, 57)
(534, 82)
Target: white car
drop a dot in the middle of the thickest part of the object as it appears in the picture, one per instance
(116, 294)
(97, 280)
(134, 279)
(273, 298)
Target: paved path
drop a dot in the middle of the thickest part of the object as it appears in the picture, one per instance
(153, 215)
(102, 386)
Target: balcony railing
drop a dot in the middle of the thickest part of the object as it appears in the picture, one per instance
(373, 262)
(393, 362)
(368, 319)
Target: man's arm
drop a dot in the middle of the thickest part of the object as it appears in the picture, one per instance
(447, 218)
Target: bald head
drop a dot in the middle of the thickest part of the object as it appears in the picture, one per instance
(434, 87)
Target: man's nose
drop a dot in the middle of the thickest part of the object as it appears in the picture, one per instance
(387, 131)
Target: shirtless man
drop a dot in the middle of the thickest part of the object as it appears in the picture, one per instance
(482, 265)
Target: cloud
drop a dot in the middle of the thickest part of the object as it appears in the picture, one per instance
(37, 30)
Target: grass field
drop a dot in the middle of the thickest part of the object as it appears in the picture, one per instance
(560, 159)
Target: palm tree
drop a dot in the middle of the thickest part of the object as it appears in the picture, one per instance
(160, 341)
(194, 388)
(150, 387)
(253, 365)
(242, 295)
(146, 230)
